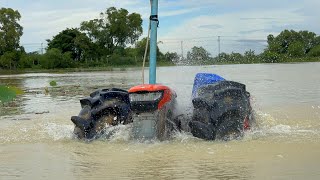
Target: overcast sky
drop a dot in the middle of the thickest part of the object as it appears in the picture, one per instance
(242, 24)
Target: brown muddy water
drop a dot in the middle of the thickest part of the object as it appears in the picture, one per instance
(36, 139)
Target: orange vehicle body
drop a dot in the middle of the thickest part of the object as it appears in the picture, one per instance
(168, 94)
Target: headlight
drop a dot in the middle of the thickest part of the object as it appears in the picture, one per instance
(149, 96)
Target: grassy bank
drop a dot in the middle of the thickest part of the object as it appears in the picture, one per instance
(82, 68)
(103, 67)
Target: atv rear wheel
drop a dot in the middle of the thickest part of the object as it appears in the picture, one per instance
(230, 127)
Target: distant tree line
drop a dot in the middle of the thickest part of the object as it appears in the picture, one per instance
(288, 46)
(110, 40)
(114, 39)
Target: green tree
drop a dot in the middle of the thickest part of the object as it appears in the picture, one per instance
(141, 46)
(7, 59)
(26, 61)
(54, 58)
(73, 41)
(172, 57)
(222, 57)
(124, 28)
(235, 58)
(298, 41)
(30, 60)
(99, 36)
(317, 41)
(270, 57)
(249, 56)
(309, 40)
(10, 59)
(115, 28)
(198, 55)
(296, 49)
(10, 30)
(273, 45)
(131, 52)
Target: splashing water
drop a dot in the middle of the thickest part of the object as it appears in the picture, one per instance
(285, 142)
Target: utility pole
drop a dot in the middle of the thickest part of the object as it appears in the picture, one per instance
(41, 48)
(182, 50)
(219, 48)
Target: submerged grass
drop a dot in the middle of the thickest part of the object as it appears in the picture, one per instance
(53, 83)
(9, 93)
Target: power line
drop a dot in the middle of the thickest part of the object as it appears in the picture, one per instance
(202, 37)
(213, 40)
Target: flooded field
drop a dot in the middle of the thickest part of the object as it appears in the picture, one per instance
(36, 140)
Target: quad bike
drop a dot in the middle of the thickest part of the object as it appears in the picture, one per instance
(221, 110)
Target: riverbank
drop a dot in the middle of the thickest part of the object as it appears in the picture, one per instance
(82, 69)
(159, 64)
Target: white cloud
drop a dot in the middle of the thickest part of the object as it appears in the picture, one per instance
(188, 3)
(39, 26)
(44, 19)
(176, 12)
(242, 19)
(231, 28)
(44, 24)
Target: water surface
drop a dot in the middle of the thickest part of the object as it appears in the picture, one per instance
(36, 139)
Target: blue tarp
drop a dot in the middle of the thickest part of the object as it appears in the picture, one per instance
(204, 79)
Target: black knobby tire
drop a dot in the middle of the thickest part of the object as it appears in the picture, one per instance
(96, 109)
(230, 127)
